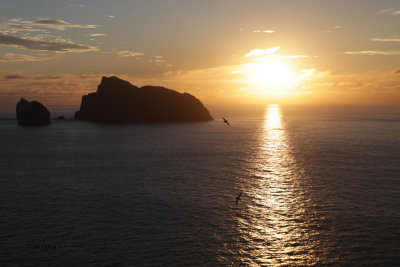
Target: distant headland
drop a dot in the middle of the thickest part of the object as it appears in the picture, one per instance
(118, 101)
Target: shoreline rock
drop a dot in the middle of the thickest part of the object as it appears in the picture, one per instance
(32, 113)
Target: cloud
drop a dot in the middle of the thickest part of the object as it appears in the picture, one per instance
(265, 54)
(265, 31)
(232, 83)
(374, 53)
(53, 24)
(97, 35)
(268, 57)
(291, 56)
(335, 28)
(54, 89)
(389, 11)
(77, 5)
(359, 83)
(13, 28)
(157, 61)
(33, 44)
(385, 39)
(20, 76)
(215, 84)
(110, 16)
(11, 57)
(129, 54)
(397, 71)
(262, 52)
(13, 76)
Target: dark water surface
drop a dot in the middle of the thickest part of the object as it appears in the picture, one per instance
(320, 186)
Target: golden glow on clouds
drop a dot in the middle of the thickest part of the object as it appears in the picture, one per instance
(374, 53)
(57, 24)
(265, 31)
(12, 57)
(389, 11)
(129, 54)
(262, 52)
(97, 35)
(385, 39)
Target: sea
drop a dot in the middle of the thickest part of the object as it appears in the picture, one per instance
(319, 186)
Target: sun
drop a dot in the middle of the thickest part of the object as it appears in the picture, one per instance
(270, 78)
(269, 75)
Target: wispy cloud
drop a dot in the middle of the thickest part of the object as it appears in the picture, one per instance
(11, 57)
(52, 23)
(110, 16)
(291, 56)
(262, 52)
(158, 60)
(374, 53)
(14, 28)
(264, 31)
(389, 11)
(362, 85)
(21, 76)
(13, 76)
(40, 45)
(129, 54)
(335, 28)
(97, 35)
(77, 5)
(385, 39)
(57, 89)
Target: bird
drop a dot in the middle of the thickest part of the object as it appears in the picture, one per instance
(226, 121)
(238, 197)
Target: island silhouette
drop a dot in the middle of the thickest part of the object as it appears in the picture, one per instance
(118, 101)
(32, 113)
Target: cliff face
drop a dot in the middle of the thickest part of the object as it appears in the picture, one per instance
(118, 101)
(32, 113)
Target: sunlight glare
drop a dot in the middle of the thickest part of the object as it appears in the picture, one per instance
(271, 75)
(276, 201)
(269, 78)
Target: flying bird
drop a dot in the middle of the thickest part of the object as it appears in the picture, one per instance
(238, 197)
(226, 121)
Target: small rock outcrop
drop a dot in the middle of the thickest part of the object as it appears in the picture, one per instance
(32, 113)
(118, 101)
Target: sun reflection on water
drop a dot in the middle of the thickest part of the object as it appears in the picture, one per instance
(273, 223)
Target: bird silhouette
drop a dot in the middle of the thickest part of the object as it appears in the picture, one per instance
(226, 121)
(238, 197)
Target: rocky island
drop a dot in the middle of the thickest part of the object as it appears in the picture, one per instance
(118, 101)
(32, 113)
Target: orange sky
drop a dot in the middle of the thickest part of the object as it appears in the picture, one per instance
(223, 52)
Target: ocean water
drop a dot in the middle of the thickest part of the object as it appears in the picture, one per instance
(320, 186)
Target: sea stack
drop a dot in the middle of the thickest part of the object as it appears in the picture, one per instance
(118, 101)
(32, 113)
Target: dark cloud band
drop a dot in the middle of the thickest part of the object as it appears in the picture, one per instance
(10, 40)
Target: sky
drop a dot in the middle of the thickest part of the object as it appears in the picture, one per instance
(321, 52)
